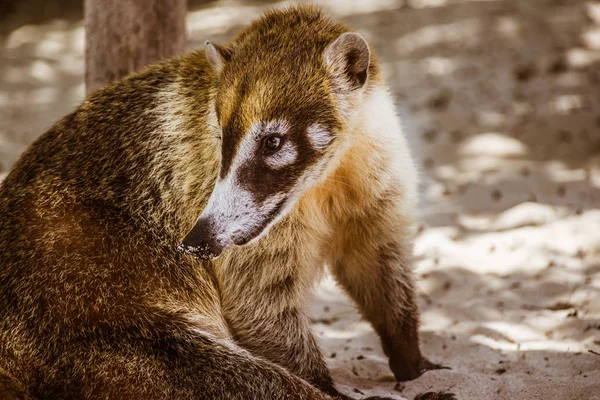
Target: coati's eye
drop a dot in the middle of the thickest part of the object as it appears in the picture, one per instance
(272, 143)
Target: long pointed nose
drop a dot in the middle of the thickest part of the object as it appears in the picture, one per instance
(202, 240)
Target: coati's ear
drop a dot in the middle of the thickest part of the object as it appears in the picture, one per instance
(348, 58)
(217, 55)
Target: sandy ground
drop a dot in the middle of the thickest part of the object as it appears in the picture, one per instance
(505, 113)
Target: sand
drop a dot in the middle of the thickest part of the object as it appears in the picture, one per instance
(505, 118)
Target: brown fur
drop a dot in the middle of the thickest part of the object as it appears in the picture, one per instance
(95, 299)
(10, 388)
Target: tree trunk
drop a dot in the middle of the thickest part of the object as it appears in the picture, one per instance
(122, 36)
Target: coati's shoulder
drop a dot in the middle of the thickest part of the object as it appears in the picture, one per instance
(190, 74)
(107, 147)
(127, 105)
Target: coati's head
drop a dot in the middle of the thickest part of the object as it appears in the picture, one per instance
(286, 87)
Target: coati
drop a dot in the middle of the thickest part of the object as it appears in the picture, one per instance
(268, 158)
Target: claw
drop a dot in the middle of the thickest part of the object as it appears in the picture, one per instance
(427, 365)
(407, 371)
(378, 398)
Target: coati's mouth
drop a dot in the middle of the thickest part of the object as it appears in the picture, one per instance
(203, 252)
(261, 228)
(215, 232)
(201, 241)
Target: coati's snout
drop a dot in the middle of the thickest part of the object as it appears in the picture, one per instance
(281, 121)
(202, 240)
(234, 216)
(257, 185)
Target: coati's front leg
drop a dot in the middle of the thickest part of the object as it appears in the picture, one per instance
(263, 297)
(374, 265)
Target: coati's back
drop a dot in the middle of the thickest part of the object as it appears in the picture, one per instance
(88, 226)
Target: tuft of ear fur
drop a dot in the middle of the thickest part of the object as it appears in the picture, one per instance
(217, 56)
(348, 57)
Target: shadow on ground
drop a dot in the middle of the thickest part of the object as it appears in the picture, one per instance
(505, 116)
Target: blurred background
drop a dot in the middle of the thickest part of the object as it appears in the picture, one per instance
(501, 99)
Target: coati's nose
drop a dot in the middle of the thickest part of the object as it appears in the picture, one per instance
(202, 240)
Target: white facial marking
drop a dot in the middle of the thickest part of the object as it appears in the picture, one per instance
(319, 137)
(230, 203)
(285, 156)
(232, 206)
(235, 212)
(253, 139)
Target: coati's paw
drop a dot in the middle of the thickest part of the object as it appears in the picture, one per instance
(379, 398)
(427, 365)
(435, 396)
(404, 370)
(344, 397)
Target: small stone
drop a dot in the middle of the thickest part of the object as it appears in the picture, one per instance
(525, 171)
(496, 195)
(440, 100)
(456, 136)
(565, 136)
(430, 135)
(399, 387)
(558, 66)
(523, 73)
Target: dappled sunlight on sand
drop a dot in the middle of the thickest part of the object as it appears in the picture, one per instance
(506, 115)
(41, 78)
